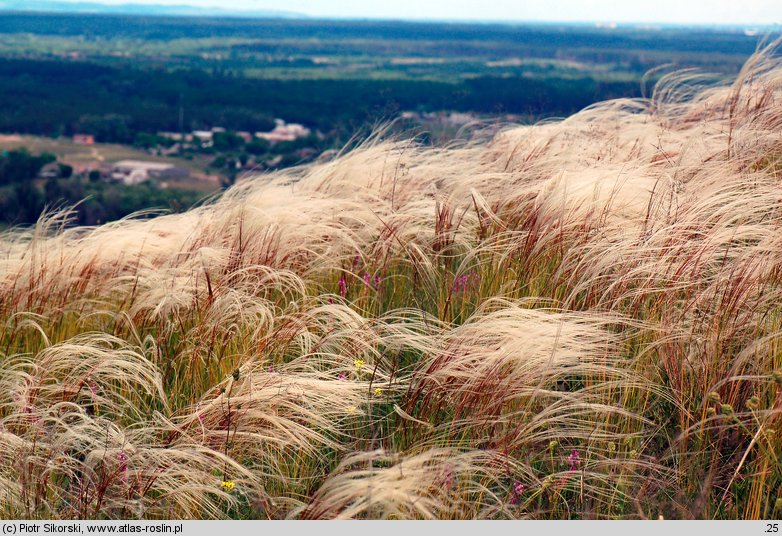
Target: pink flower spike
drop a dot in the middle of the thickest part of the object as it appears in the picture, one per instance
(574, 459)
(517, 491)
(122, 458)
(343, 287)
(448, 477)
(93, 391)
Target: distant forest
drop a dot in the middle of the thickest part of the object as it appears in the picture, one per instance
(124, 79)
(50, 97)
(529, 39)
(118, 76)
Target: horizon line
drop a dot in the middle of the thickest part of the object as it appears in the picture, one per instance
(292, 16)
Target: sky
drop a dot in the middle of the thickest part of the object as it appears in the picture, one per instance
(644, 11)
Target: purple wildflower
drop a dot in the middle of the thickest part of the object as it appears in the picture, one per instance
(448, 477)
(342, 376)
(460, 284)
(574, 459)
(377, 282)
(465, 282)
(343, 287)
(31, 411)
(367, 278)
(122, 458)
(518, 491)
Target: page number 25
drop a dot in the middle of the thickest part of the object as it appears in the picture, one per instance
(772, 527)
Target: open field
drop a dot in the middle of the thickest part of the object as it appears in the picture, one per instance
(576, 319)
(411, 50)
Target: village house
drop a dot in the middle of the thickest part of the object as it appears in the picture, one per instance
(176, 136)
(284, 132)
(84, 139)
(204, 136)
(50, 171)
(133, 172)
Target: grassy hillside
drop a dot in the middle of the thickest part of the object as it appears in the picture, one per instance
(578, 319)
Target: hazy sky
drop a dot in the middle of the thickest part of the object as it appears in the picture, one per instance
(665, 11)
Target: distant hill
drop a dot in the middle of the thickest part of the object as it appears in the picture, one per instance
(138, 9)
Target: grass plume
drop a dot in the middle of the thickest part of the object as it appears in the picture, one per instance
(575, 319)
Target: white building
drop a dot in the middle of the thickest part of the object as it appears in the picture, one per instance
(284, 132)
(133, 172)
(203, 135)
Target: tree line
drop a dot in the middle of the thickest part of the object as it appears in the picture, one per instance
(117, 104)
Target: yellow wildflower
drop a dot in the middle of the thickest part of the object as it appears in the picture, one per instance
(228, 485)
(378, 391)
(358, 363)
(352, 410)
